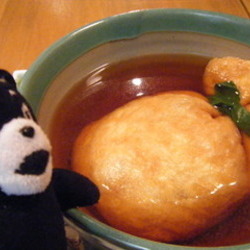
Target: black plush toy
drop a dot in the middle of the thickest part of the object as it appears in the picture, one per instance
(32, 194)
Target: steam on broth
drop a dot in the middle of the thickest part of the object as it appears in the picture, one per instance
(111, 86)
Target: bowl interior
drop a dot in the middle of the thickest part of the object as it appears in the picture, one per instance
(156, 43)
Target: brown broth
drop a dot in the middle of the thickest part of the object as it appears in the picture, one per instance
(114, 85)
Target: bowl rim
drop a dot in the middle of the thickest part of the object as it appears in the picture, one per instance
(63, 52)
(116, 236)
(67, 49)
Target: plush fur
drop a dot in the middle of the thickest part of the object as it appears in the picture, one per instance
(33, 195)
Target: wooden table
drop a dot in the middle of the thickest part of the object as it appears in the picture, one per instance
(28, 27)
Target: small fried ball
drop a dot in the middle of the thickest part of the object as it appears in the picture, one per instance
(228, 69)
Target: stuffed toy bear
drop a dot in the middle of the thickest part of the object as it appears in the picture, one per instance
(33, 195)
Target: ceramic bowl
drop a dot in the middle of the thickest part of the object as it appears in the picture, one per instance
(146, 32)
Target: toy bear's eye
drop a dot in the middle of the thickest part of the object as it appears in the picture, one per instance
(27, 131)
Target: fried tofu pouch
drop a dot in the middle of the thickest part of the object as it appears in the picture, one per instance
(228, 69)
(168, 166)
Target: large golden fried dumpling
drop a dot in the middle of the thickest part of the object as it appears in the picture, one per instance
(167, 166)
(228, 69)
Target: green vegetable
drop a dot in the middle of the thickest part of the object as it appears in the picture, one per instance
(227, 100)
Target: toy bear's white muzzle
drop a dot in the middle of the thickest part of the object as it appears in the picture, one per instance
(25, 160)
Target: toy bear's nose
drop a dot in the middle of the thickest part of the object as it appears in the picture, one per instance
(34, 164)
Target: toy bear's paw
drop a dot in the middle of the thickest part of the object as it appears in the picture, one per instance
(74, 190)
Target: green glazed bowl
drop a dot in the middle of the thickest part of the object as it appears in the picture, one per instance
(119, 37)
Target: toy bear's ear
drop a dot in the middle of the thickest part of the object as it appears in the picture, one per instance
(12, 103)
(7, 80)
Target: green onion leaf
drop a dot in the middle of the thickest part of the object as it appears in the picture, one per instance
(227, 100)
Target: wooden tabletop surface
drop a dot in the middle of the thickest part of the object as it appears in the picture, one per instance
(28, 27)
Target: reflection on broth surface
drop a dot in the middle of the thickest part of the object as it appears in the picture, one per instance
(111, 86)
